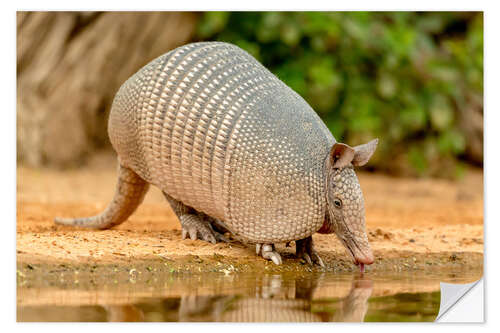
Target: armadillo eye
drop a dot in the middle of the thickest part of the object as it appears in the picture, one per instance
(337, 203)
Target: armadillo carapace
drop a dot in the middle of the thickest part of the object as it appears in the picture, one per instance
(233, 148)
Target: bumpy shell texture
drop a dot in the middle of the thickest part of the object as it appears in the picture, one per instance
(213, 128)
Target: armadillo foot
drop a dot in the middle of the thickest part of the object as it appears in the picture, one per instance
(217, 227)
(267, 251)
(304, 249)
(195, 227)
(220, 237)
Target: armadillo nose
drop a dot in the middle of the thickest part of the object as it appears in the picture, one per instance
(366, 259)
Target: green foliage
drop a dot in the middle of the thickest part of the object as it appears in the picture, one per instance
(399, 76)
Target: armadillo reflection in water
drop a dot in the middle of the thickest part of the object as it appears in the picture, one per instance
(279, 308)
(234, 148)
(278, 303)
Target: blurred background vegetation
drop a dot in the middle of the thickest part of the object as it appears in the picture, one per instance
(412, 79)
(408, 78)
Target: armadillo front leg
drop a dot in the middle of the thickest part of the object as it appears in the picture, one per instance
(304, 249)
(194, 224)
(130, 192)
(267, 251)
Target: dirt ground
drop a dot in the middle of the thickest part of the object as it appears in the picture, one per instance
(412, 224)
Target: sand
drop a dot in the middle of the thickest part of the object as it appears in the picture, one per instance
(412, 223)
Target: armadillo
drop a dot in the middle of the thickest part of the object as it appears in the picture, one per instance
(234, 149)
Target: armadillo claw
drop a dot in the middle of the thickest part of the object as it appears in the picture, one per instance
(307, 258)
(275, 257)
(209, 237)
(257, 248)
(305, 250)
(269, 253)
(320, 261)
(221, 238)
(195, 227)
(193, 233)
(317, 259)
(312, 258)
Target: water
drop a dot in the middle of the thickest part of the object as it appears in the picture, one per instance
(239, 297)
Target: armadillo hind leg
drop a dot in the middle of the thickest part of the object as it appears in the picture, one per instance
(194, 224)
(217, 226)
(267, 251)
(129, 194)
(304, 248)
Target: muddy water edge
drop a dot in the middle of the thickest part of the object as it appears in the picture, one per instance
(215, 288)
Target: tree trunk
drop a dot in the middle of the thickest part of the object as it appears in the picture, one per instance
(470, 121)
(70, 65)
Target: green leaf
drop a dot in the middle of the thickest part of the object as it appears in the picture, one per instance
(417, 160)
(451, 141)
(441, 113)
(212, 23)
(386, 85)
(413, 118)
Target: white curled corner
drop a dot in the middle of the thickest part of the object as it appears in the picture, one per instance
(461, 302)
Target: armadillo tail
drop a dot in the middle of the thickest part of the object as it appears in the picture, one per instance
(130, 192)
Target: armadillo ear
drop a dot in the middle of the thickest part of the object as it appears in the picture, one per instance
(363, 153)
(341, 155)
